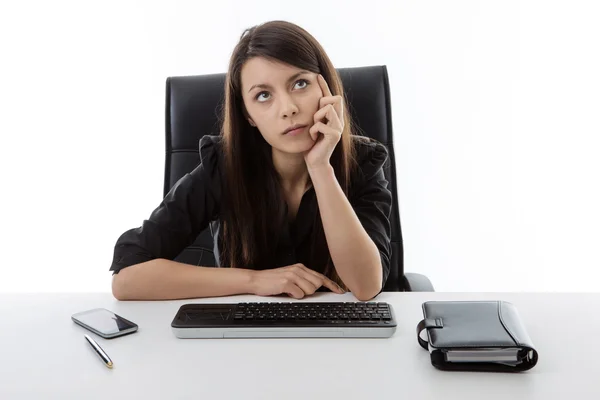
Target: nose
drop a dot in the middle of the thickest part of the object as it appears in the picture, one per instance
(288, 107)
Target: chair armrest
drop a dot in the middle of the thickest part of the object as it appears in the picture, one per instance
(417, 283)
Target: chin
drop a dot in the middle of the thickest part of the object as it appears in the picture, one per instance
(301, 146)
(297, 148)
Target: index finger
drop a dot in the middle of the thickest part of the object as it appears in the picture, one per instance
(334, 287)
(324, 86)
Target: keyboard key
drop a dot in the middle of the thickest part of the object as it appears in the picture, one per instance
(338, 313)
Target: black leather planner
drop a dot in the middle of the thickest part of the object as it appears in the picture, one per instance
(476, 336)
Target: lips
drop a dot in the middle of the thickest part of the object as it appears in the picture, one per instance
(291, 128)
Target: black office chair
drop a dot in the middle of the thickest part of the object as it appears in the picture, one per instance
(192, 106)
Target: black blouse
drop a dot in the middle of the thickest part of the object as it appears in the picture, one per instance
(193, 202)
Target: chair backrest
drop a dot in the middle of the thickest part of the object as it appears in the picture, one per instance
(192, 107)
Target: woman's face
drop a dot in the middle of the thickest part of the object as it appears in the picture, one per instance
(277, 96)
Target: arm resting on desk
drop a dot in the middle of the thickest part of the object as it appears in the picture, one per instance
(417, 283)
(162, 279)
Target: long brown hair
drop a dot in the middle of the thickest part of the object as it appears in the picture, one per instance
(252, 196)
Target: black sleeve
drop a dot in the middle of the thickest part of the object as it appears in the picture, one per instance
(372, 200)
(185, 211)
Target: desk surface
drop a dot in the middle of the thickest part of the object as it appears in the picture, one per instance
(44, 354)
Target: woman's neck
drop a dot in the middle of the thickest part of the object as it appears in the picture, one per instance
(292, 170)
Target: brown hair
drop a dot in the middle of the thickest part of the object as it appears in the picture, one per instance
(254, 202)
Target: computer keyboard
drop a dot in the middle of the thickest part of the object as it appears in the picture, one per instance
(287, 319)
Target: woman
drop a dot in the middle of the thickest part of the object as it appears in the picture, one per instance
(292, 212)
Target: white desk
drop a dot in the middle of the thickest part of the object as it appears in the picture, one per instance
(45, 356)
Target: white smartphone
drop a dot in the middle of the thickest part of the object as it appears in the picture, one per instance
(104, 323)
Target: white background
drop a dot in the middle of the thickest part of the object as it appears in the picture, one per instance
(495, 114)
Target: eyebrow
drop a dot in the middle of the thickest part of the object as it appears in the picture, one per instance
(291, 78)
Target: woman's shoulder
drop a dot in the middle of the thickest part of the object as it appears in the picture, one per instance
(208, 174)
(371, 155)
(211, 152)
(211, 146)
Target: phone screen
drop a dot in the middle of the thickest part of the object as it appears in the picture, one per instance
(105, 322)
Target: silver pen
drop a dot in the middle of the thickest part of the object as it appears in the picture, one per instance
(99, 351)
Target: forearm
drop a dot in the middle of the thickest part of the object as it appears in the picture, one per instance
(162, 279)
(355, 256)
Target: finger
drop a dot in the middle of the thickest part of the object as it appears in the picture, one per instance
(337, 103)
(299, 277)
(332, 120)
(293, 290)
(331, 285)
(331, 114)
(313, 279)
(324, 112)
(306, 285)
(324, 86)
(323, 280)
(324, 129)
(314, 133)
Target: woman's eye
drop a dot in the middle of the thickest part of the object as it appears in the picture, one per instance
(258, 95)
(303, 80)
(299, 80)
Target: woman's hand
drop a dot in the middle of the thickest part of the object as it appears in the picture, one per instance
(326, 135)
(295, 280)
